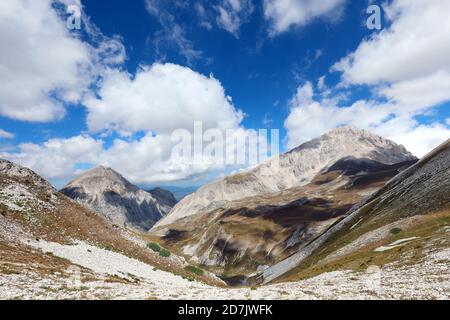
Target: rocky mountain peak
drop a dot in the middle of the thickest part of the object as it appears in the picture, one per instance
(354, 142)
(295, 168)
(102, 179)
(107, 192)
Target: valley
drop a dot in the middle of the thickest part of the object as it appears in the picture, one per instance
(359, 228)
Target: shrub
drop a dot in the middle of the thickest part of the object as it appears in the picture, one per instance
(194, 270)
(396, 230)
(164, 253)
(155, 247)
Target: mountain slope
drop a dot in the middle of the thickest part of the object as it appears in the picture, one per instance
(53, 248)
(410, 214)
(293, 169)
(163, 196)
(237, 238)
(105, 191)
(253, 233)
(45, 234)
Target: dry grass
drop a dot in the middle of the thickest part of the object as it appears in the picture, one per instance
(427, 229)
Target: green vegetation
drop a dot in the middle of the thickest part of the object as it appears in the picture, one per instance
(194, 270)
(155, 247)
(164, 253)
(396, 230)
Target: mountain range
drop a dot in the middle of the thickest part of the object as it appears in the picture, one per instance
(295, 168)
(247, 222)
(320, 215)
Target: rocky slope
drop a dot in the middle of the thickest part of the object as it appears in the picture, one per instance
(44, 234)
(237, 238)
(163, 196)
(54, 248)
(407, 219)
(293, 169)
(255, 232)
(105, 191)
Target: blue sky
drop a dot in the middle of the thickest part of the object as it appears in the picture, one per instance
(293, 65)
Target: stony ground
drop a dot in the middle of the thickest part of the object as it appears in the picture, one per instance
(95, 273)
(74, 263)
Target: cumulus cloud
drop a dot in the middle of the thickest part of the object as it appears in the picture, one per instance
(415, 95)
(311, 117)
(56, 158)
(40, 62)
(407, 65)
(160, 98)
(417, 138)
(148, 159)
(43, 65)
(412, 56)
(416, 43)
(284, 14)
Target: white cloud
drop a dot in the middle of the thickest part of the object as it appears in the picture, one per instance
(412, 56)
(233, 13)
(43, 66)
(284, 14)
(414, 95)
(408, 63)
(40, 62)
(6, 135)
(160, 98)
(57, 158)
(155, 101)
(417, 138)
(310, 118)
(147, 159)
(414, 46)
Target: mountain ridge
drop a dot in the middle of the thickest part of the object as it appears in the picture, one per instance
(414, 194)
(295, 168)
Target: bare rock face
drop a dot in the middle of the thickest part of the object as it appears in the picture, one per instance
(163, 196)
(108, 193)
(294, 169)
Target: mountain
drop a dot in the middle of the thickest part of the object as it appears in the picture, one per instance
(48, 240)
(406, 221)
(246, 235)
(105, 191)
(163, 196)
(293, 169)
(394, 244)
(181, 192)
